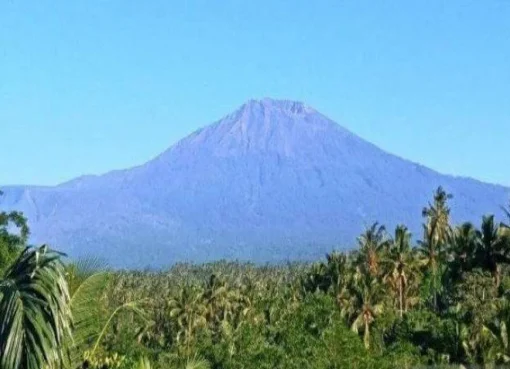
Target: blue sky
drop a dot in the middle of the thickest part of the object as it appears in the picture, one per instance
(90, 86)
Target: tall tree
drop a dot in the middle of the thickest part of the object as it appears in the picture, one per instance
(462, 250)
(437, 216)
(366, 304)
(402, 265)
(339, 271)
(373, 243)
(493, 248)
(437, 233)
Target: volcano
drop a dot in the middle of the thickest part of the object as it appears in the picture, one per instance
(273, 181)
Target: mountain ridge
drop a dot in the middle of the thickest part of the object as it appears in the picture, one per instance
(273, 180)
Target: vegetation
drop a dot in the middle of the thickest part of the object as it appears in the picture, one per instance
(392, 303)
(11, 242)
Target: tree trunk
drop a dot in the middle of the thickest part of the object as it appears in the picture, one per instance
(497, 276)
(366, 335)
(401, 298)
(434, 284)
(189, 337)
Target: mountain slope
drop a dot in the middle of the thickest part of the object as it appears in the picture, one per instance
(274, 180)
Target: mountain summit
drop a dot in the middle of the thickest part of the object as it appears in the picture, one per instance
(275, 180)
(265, 126)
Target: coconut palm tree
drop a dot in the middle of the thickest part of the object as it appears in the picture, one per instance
(226, 309)
(438, 217)
(316, 279)
(189, 312)
(436, 234)
(432, 256)
(339, 271)
(493, 248)
(462, 249)
(372, 245)
(221, 299)
(366, 304)
(402, 265)
(35, 314)
(337, 265)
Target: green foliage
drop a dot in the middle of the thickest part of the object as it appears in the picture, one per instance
(390, 304)
(312, 335)
(110, 361)
(143, 363)
(12, 243)
(88, 313)
(35, 318)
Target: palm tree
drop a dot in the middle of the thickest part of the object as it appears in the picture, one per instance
(493, 248)
(372, 243)
(436, 234)
(339, 271)
(438, 217)
(316, 279)
(221, 300)
(190, 313)
(461, 254)
(431, 258)
(337, 265)
(402, 265)
(366, 304)
(226, 309)
(35, 319)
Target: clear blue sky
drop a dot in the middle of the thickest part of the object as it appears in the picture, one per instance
(90, 86)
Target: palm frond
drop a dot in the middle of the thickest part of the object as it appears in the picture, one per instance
(79, 271)
(197, 363)
(143, 363)
(36, 315)
(133, 306)
(87, 312)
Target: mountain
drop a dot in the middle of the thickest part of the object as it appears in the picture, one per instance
(275, 180)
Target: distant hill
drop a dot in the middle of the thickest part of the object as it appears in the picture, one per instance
(275, 180)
